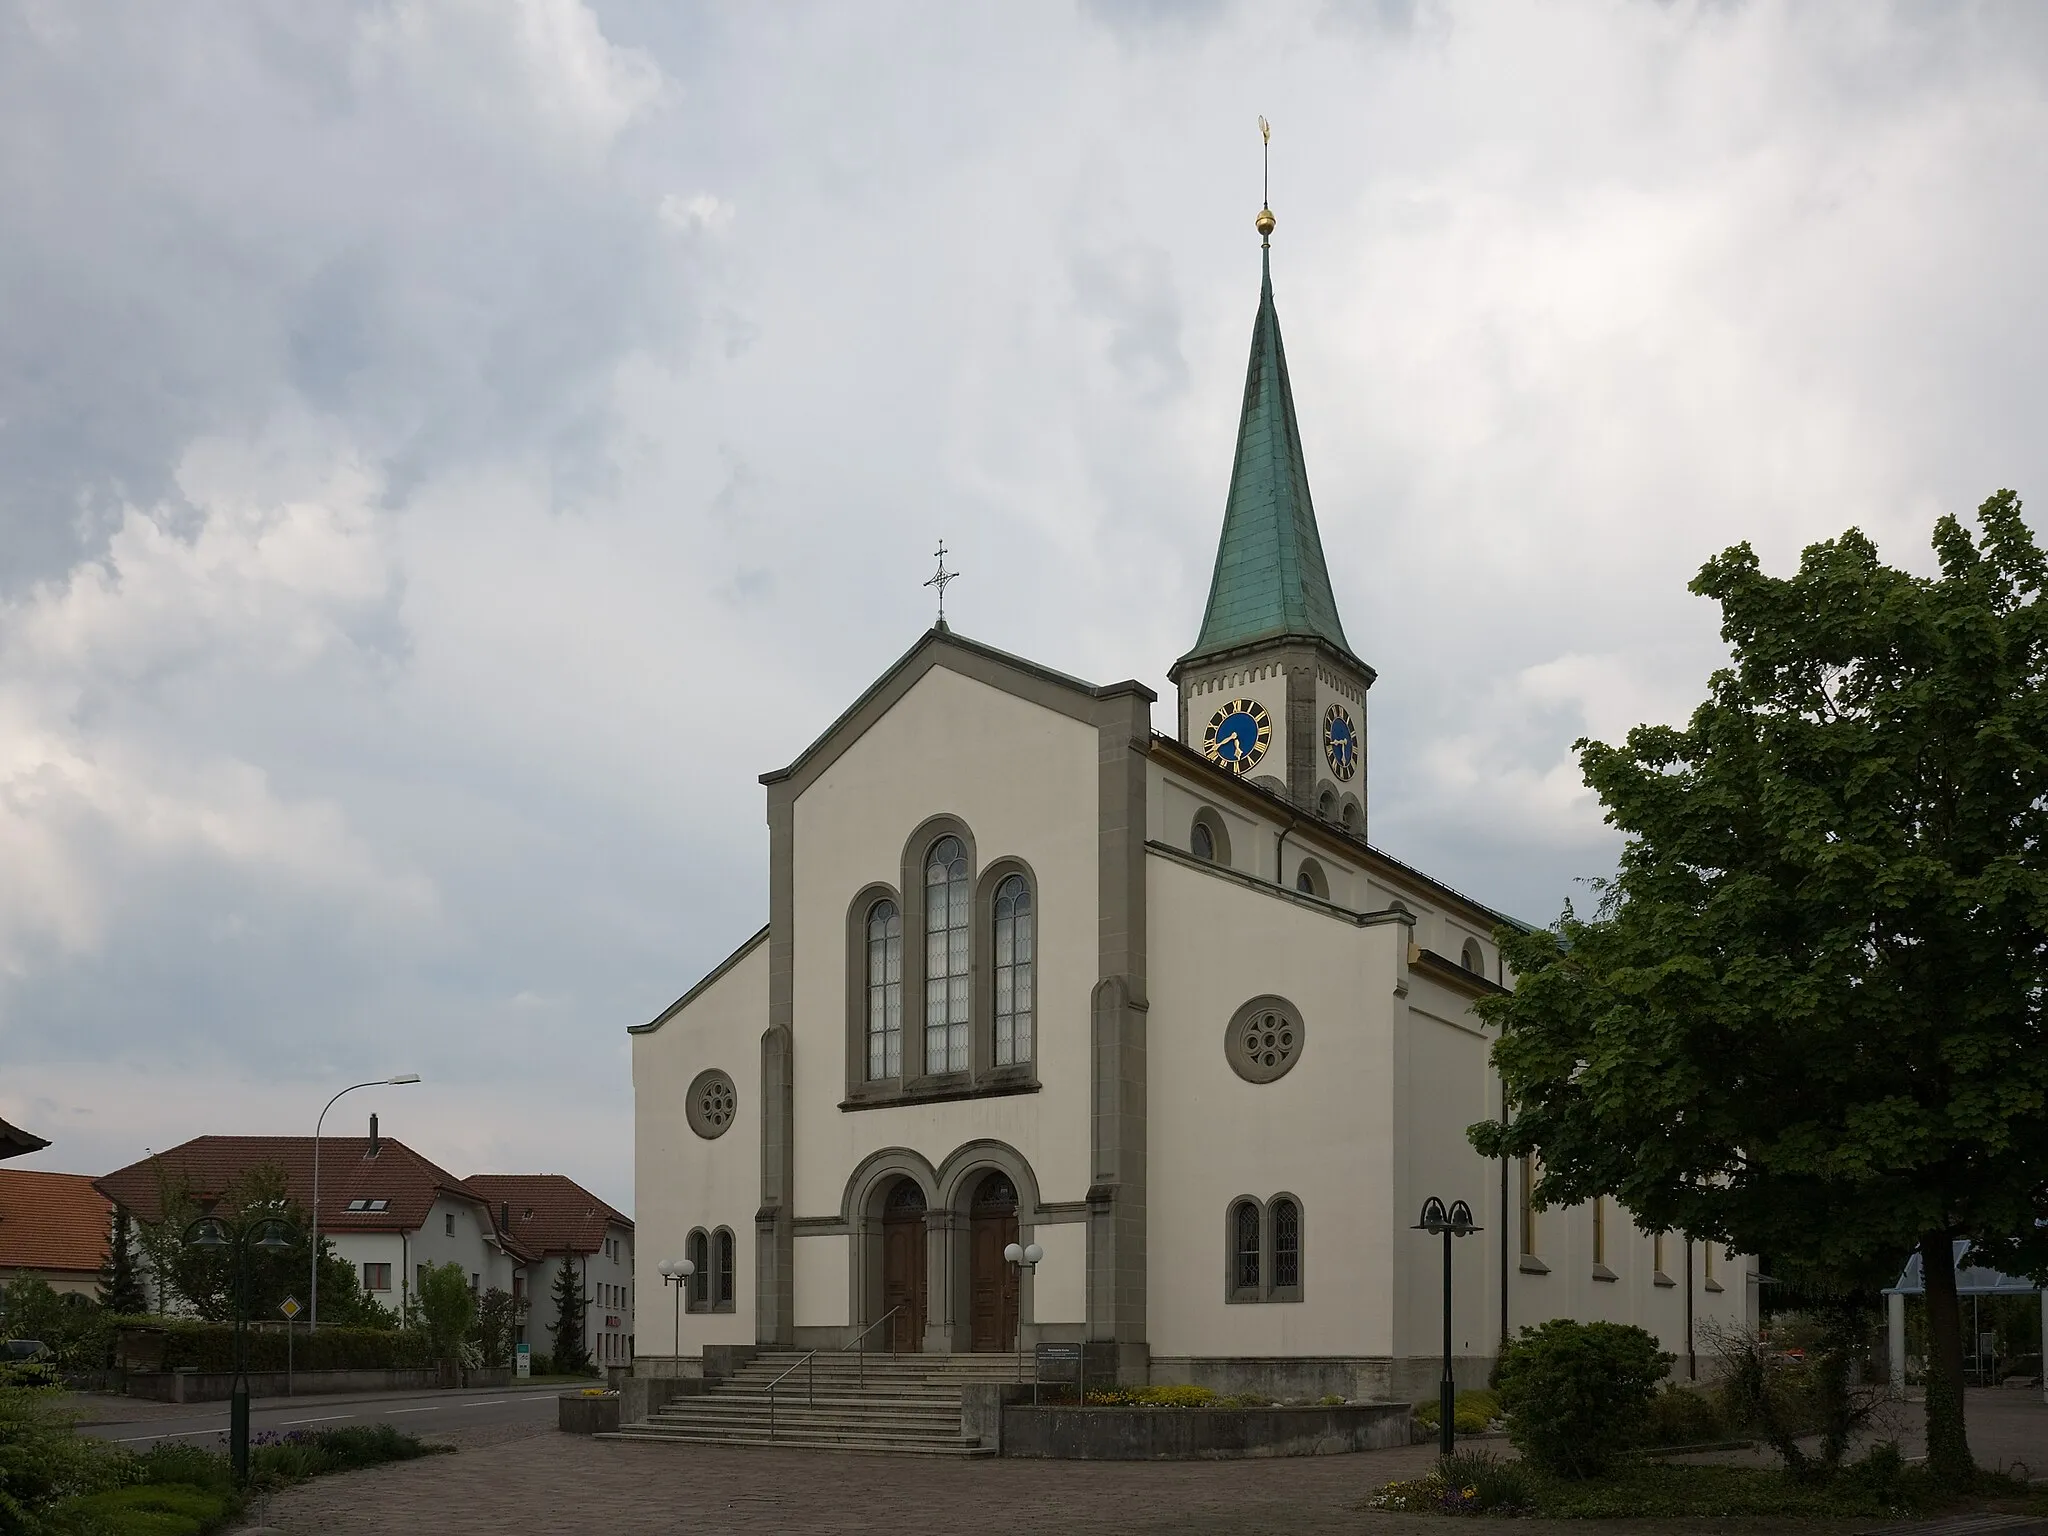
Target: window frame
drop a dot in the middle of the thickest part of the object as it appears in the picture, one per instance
(725, 1267)
(956, 987)
(1207, 817)
(1276, 1290)
(1237, 1291)
(918, 1082)
(697, 1289)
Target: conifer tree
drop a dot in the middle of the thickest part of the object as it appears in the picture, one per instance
(120, 1286)
(571, 1358)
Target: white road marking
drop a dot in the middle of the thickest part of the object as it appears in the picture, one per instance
(435, 1408)
(496, 1402)
(172, 1434)
(323, 1419)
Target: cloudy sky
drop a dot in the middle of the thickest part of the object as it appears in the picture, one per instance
(448, 450)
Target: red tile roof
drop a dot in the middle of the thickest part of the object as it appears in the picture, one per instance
(52, 1221)
(406, 1182)
(549, 1212)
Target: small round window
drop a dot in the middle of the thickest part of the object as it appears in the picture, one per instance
(712, 1103)
(1264, 1039)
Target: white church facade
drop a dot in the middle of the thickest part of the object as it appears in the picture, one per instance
(1034, 970)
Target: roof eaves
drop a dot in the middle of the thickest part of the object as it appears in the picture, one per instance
(698, 990)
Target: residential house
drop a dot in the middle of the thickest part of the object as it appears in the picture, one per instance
(561, 1223)
(388, 1210)
(54, 1227)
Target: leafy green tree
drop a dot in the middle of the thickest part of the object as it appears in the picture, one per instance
(1807, 1018)
(571, 1357)
(497, 1322)
(120, 1286)
(447, 1308)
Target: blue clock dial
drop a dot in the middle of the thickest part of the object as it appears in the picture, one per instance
(1238, 735)
(1340, 742)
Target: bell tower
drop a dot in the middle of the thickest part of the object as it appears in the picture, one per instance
(1271, 689)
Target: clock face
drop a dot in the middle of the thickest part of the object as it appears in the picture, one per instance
(1340, 742)
(1238, 735)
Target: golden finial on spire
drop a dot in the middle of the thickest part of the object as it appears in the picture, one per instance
(1265, 220)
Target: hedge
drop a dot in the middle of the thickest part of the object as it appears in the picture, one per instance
(189, 1344)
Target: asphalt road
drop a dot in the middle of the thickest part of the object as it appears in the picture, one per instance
(419, 1413)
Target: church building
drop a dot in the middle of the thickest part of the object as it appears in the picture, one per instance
(1037, 972)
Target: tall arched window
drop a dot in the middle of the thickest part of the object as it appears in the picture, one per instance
(1245, 1266)
(946, 949)
(698, 1251)
(1016, 951)
(885, 991)
(1286, 1217)
(722, 1292)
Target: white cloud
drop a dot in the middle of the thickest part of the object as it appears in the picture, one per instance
(428, 504)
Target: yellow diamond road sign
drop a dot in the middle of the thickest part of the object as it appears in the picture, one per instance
(289, 1307)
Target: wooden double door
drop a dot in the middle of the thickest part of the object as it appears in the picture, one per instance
(991, 1279)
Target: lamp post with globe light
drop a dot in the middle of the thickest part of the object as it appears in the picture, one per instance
(1024, 1256)
(677, 1272)
(234, 1239)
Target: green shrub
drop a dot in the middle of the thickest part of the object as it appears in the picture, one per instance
(42, 1460)
(190, 1344)
(147, 1509)
(1682, 1416)
(1481, 1480)
(1575, 1394)
(1474, 1412)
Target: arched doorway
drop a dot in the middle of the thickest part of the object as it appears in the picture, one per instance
(903, 1265)
(992, 1280)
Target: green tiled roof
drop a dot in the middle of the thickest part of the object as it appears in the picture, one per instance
(1270, 577)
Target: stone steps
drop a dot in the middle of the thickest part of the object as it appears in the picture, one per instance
(900, 1405)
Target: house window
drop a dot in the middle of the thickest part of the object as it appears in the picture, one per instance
(1245, 1251)
(698, 1251)
(1474, 958)
(1207, 839)
(947, 994)
(448, 1224)
(1657, 1253)
(1202, 842)
(1015, 949)
(1600, 1229)
(376, 1277)
(724, 1290)
(1285, 1215)
(1528, 1202)
(885, 991)
(1312, 880)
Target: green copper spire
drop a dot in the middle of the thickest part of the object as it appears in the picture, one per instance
(1270, 577)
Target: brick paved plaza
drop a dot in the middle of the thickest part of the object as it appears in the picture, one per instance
(512, 1479)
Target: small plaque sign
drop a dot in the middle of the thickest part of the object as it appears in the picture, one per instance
(524, 1360)
(1059, 1362)
(289, 1307)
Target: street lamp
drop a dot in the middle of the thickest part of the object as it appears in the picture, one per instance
(1025, 1256)
(677, 1272)
(1455, 1222)
(313, 1281)
(234, 1240)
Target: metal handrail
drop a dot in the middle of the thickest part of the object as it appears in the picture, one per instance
(812, 1360)
(859, 1342)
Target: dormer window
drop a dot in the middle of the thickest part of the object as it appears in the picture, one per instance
(359, 1205)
